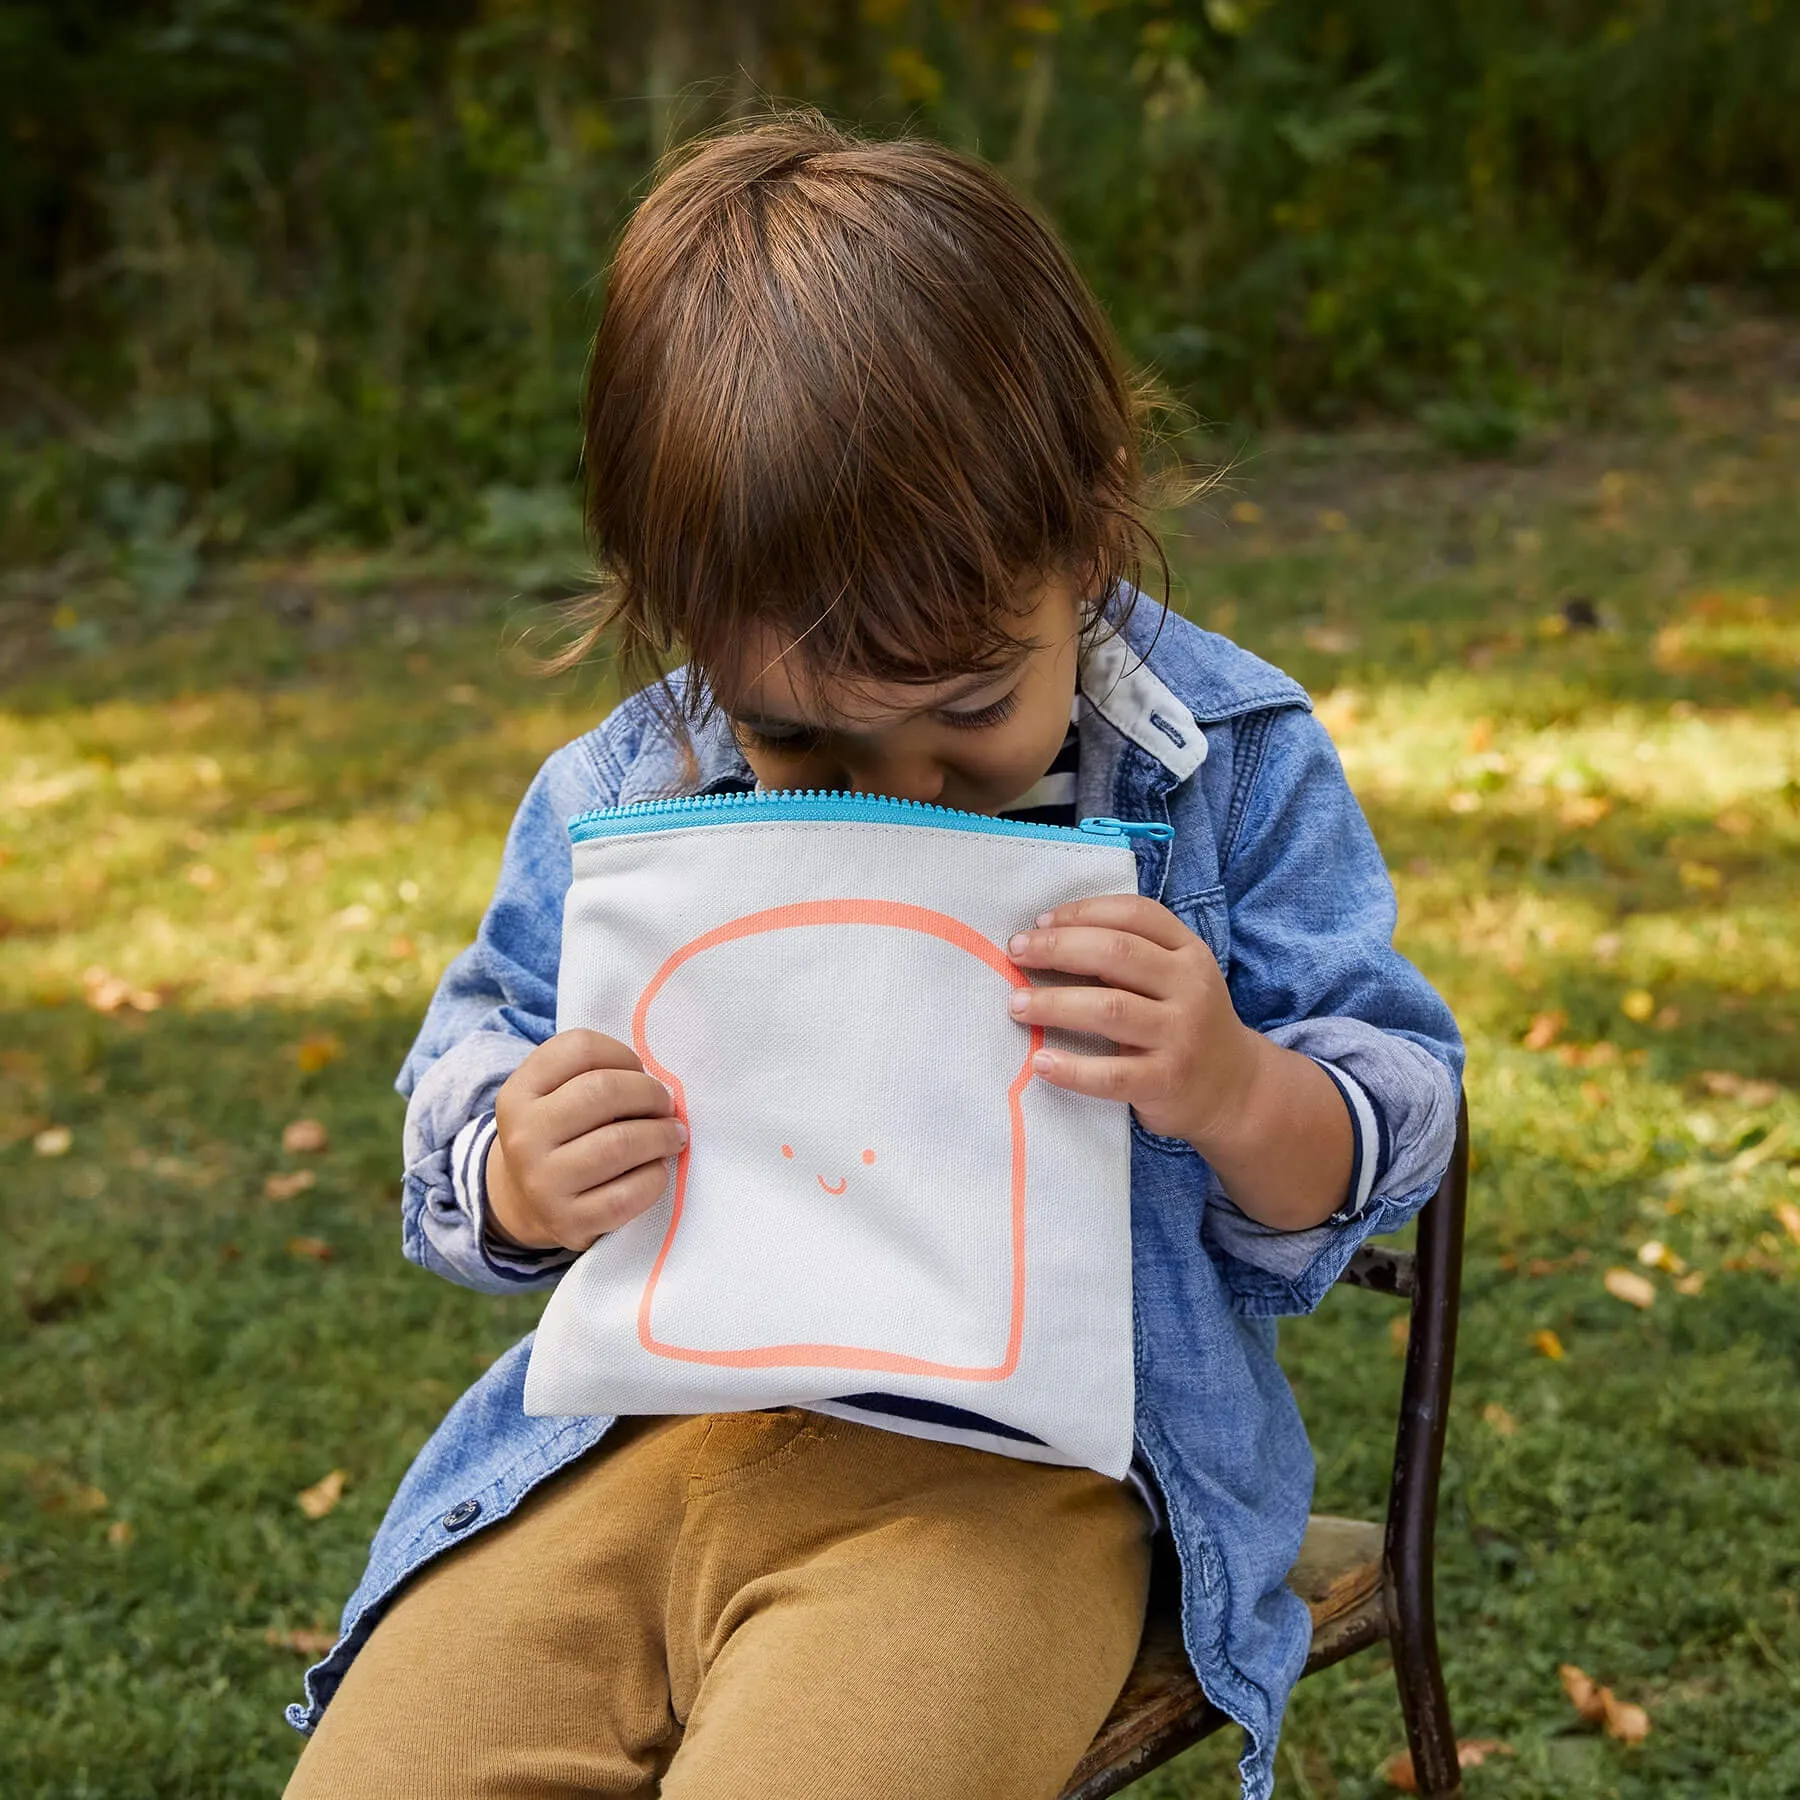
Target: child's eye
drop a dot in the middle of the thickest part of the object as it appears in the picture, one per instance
(802, 738)
(999, 711)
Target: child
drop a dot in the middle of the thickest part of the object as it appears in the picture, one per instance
(858, 442)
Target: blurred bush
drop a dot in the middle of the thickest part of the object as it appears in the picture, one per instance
(287, 272)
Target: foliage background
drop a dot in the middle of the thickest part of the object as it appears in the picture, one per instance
(303, 271)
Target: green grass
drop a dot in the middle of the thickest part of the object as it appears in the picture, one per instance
(272, 823)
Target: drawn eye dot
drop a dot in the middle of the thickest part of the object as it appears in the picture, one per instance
(868, 1156)
(787, 1149)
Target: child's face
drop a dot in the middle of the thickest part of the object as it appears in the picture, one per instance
(976, 743)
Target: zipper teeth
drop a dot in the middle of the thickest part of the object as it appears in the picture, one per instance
(680, 803)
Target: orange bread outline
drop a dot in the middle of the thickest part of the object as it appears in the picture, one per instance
(901, 917)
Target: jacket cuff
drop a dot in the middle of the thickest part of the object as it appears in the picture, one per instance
(468, 1173)
(442, 1217)
(1402, 1104)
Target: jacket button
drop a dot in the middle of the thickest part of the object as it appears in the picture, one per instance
(463, 1513)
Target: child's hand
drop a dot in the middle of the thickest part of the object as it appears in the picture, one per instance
(582, 1144)
(1185, 1060)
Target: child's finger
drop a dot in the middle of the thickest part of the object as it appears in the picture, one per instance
(1105, 1077)
(614, 1203)
(597, 1097)
(1121, 959)
(1108, 1012)
(614, 1150)
(572, 1053)
(1124, 912)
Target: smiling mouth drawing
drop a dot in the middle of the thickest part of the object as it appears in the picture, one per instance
(843, 1182)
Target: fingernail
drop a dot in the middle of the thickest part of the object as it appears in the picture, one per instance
(1021, 998)
(1043, 1062)
(1045, 918)
(1018, 944)
(680, 1133)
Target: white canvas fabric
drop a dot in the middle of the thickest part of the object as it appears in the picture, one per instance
(881, 1212)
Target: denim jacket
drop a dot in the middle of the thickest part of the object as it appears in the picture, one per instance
(1274, 866)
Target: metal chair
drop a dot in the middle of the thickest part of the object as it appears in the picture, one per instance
(1363, 1582)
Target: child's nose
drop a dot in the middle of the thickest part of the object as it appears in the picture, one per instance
(920, 779)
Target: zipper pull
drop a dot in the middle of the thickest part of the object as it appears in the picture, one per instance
(1127, 828)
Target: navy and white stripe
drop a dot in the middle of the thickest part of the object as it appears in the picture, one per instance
(468, 1163)
(1050, 800)
(1371, 1146)
(468, 1179)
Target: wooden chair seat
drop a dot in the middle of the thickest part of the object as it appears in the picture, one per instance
(1161, 1709)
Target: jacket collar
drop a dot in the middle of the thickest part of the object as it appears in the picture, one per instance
(1119, 683)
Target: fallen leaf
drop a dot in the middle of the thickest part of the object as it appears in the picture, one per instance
(1399, 1332)
(1333, 520)
(1655, 1254)
(120, 1533)
(1698, 876)
(401, 947)
(285, 1187)
(1638, 1005)
(355, 917)
(1471, 1753)
(1667, 1018)
(1331, 640)
(1727, 1084)
(1547, 1343)
(1502, 1423)
(317, 1500)
(1247, 512)
(305, 1137)
(315, 1052)
(1627, 1285)
(314, 1249)
(1582, 810)
(1789, 1215)
(1540, 1266)
(1594, 1094)
(1691, 1284)
(1597, 1705)
(53, 1141)
(1583, 1692)
(107, 993)
(203, 875)
(1545, 1029)
(301, 1642)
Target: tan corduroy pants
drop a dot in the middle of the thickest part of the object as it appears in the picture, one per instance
(754, 1606)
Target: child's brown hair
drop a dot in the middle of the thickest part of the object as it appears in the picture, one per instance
(853, 395)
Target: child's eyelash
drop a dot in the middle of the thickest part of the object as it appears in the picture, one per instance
(801, 739)
(989, 715)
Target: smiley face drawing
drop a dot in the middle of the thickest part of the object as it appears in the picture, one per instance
(843, 1183)
(853, 1191)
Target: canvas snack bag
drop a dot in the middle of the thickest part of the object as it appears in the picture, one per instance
(880, 1213)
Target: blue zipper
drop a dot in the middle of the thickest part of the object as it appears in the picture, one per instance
(820, 806)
